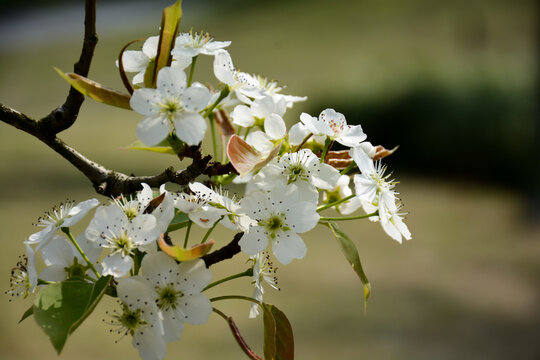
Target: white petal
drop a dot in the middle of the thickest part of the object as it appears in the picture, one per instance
(302, 216)
(193, 276)
(145, 101)
(150, 46)
(173, 325)
(116, 265)
(196, 308)
(103, 220)
(57, 251)
(364, 162)
(195, 98)
(263, 107)
(134, 61)
(288, 246)
(156, 267)
(260, 141)
(274, 126)
(142, 229)
(79, 211)
(42, 236)
(190, 128)
(242, 116)
(54, 272)
(224, 68)
(297, 134)
(171, 81)
(325, 177)
(152, 130)
(31, 267)
(254, 241)
(150, 344)
(352, 136)
(213, 46)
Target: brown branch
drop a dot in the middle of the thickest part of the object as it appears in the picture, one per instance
(105, 182)
(65, 115)
(226, 252)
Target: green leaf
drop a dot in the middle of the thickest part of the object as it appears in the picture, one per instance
(29, 312)
(170, 22)
(351, 254)
(278, 334)
(61, 307)
(96, 91)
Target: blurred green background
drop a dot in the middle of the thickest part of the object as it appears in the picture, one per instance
(454, 84)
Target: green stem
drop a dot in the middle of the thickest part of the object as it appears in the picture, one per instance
(222, 95)
(66, 231)
(324, 207)
(248, 272)
(236, 297)
(45, 282)
(187, 233)
(351, 166)
(220, 313)
(192, 70)
(210, 230)
(247, 133)
(213, 131)
(327, 145)
(349, 217)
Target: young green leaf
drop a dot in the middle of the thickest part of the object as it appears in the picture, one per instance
(278, 334)
(170, 22)
(29, 312)
(61, 307)
(96, 91)
(351, 254)
(182, 254)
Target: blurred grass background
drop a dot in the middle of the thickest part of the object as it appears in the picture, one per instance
(453, 83)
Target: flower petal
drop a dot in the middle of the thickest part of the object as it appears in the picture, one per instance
(190, 128)
(193, 276)
(288, 246)
(255, 241)
(196, 308)
(152, 130)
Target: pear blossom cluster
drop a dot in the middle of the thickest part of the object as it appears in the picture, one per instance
(293, 179)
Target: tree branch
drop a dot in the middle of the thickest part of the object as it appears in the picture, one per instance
(65, 115)
(226, 252)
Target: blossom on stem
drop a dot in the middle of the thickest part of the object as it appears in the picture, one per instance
(176, 290)
(263, 271)
(301, 168)
(171, 106)
(140, 318)
(64, 215)
(281, 214)
(191, 45)
(63, 260)
(342, 191)
(333, 125)
(112, 229)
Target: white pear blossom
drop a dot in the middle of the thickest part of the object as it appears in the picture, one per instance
(234, 217)
(24, 278)
(140, 318)
(377, 194)
(112, 229)
(263, 270)
(257, 112)
(133, 207)
(281, 215)
(59, 257)
(302, 168)
(191, 45)
(333, 125)
(246, 86)
(176, 290)
(372, 179)
(171, 106)
(197, 208)
(64, 215)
